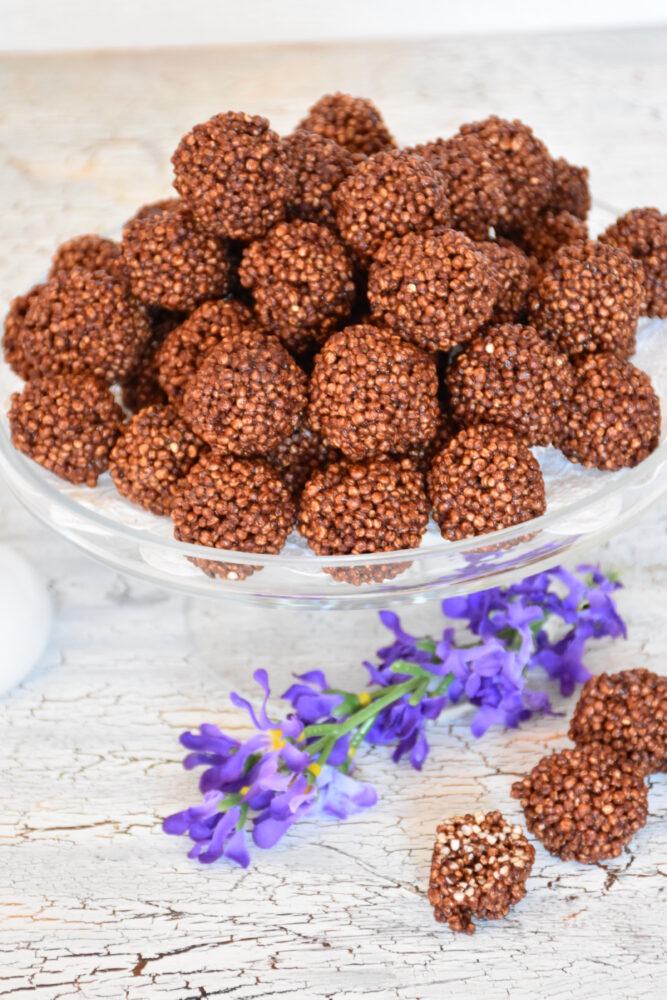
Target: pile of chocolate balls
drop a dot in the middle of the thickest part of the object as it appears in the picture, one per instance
(327, 332)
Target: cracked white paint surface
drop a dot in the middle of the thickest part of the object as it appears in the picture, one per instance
(95, 901)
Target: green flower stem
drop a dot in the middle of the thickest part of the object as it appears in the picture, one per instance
(386, 697)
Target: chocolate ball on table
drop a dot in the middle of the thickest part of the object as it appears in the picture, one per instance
(642, 233)
(90, 252)
(627, 712)
(485, 479)
(171, 262)
(232, 171)
(613, 417)
(373, 393)
(523, 162)
(353, 122)
(388, 195)
(85, 322)
(587, 299)
(231, 503)
(435, 289)
(509, 375)
(13, 333)
(247, 396)
(583, 804)
(68, 424)
(154, 451)
(320, 166)
(302, 282)
(473, 185)
(184, 348)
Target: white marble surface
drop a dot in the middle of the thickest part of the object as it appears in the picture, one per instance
(95, 901)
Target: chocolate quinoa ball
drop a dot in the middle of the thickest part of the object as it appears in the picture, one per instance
(232, 503)
(85, 322)
(319, 165)
(642, 234)
(583, 804)
(154, 451)
(523, 162)
(186, 346)
(90, 252)
(355, 507)
(485, 479)
(509, 375)
(373, 393)
(613, 418)
(353, 122)
(473, 185)
(626, 712)
(435, 289)
(14, 328)
(246, 396)
(516, 274)
(550, 230)
(297, 457)
(68, 424)
(388, 195)
(570, 191)
(154, 208)
(479, 869)
(171, 262)
(232, 171)
(140, 388)
(587, 298)
(302, 281)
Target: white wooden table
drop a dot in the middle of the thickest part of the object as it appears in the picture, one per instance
(95, 901)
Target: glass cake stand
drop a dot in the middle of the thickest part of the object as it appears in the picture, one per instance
(584, 508)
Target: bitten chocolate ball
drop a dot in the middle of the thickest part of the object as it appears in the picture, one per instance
(435, 289)
(642, 234)
(232, 171)
(353, 508)
(570, 192)
(485, 479)
(12, 337)
(232, 503)
(587, 299)
(186, 346)
(320, 166)
(301, 280)
(479, 869)
(509, 375)
(171, 262)
(353, 122)
(613, 419)
(388, 195)
(627, 712)
(473, 185)
(85, 322)
(246, 396)
(155, 450)
(583, 804)
(516, 274)
(373, 393)
(91, 252)
(68, 424)
(548, 232)
(523, 162)
(297, 457)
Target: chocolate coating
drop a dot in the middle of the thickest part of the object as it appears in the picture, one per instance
(570, 191)
(302, 281)
(13, 333)
(297, 457)
(373, 393)
(548, 231)
(485, 479)
(246, 396)
(613, 419)
(91, 252)
(68, 424)
(319, 165)
(516, 274)
(435, 289)
(642, 233)
(232, 171)
(583, 804)
(353, 122)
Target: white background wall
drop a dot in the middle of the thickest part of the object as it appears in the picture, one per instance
(76, 24)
